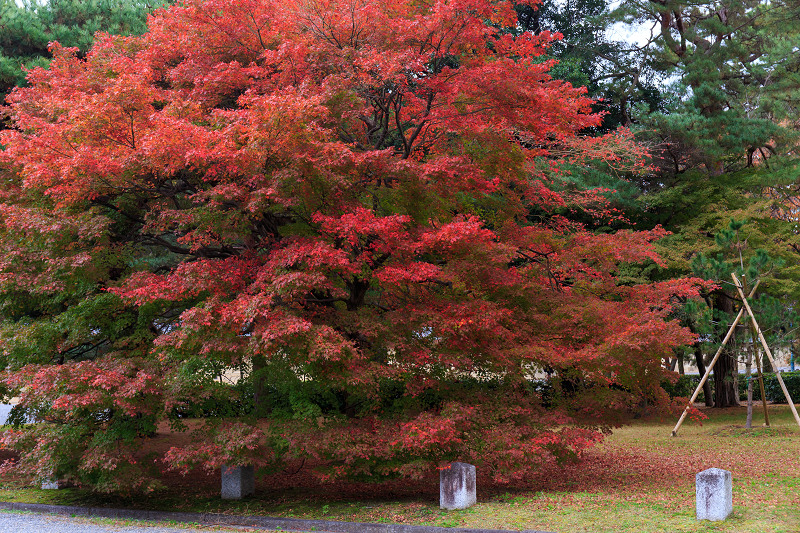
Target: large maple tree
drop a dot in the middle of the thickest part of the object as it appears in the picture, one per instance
(357, 205)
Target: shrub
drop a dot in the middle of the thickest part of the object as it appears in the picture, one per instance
(772, 389)
(685, 386)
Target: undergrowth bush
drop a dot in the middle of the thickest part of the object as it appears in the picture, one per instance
(686, 384)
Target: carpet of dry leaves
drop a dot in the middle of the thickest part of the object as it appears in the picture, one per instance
(639, 479)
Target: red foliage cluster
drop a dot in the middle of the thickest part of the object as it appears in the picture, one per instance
(337, 195)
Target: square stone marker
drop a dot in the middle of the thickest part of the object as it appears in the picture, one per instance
(49, 484)
(237, 482)
(457, 486)
(714, 492)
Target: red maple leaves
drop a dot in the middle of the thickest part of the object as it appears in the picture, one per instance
(330, 196)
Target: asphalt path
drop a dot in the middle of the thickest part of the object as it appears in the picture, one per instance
(13, 522)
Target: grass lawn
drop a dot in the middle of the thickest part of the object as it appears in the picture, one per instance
(640, 479)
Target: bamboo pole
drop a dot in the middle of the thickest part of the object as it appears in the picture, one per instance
(766, 349)
(711, 365)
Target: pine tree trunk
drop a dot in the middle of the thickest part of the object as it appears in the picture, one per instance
(725, 373)
(701, 368)
(726, 369)
(748, 367)
(766, 366)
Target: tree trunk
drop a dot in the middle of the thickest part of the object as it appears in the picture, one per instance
(701, 367)
(260, 402)
(726, 369)
(748, 366)
(766, 366)
(725, 373)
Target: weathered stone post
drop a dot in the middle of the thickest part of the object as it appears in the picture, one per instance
(714, 492)
(52, 483)
(237, 482)
(457, 486)
(49, 484)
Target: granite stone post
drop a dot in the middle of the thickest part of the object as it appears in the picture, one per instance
(52, 483)
(714, 492)
(457, 486)
(237, 482)
(49, 484)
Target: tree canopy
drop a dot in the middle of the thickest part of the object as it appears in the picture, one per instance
(363, 208)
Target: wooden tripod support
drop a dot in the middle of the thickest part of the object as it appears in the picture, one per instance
(745, 308)
(766, 349)
(712, 363)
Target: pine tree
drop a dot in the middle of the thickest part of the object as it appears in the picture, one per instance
(27, 28)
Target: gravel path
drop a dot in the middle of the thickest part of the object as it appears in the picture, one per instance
(43, 523)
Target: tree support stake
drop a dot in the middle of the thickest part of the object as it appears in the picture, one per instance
(766, 348)
(711, 365)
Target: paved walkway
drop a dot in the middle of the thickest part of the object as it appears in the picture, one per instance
(11, 521)
(35, 517)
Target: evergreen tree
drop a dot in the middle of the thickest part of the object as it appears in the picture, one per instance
(735, 80)
(724, 139)
(618, 73)
(28, 27)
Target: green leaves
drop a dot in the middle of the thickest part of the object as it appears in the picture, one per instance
(735, 249)
(28, 28)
